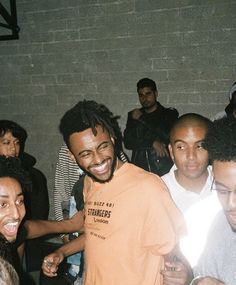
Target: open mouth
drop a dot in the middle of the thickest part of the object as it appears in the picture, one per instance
(101, 168)
(11, 229)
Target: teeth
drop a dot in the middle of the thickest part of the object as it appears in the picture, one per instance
(11, 227)
(12, 224)
(100, 168)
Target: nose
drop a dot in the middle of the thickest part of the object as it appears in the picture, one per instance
(15, 212)
(13, 147)
(231, 203)
(191, 154)
(97, 158)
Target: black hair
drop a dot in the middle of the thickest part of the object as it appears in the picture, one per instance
(16, 130)
(11, 167)
(8, 275)
(146, 82)
(221, 140)
(85, 115)
(191, 118)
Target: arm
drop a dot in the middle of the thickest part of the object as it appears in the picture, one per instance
(177, 269)
(37, 228)
(52, 261)
(135, 133)
(160, 149)
(206, 281)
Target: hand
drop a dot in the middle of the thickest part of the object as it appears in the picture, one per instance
(136, 114)
(176, 273)
(207, 281)
(65, 239)
(51, 263)
(160, 149)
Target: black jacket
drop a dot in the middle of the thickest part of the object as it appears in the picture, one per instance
(37, 200)
(140, 134)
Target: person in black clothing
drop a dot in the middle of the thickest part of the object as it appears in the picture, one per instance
(12, 144)
(147, 130)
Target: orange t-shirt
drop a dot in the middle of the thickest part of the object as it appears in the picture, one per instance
(130, 223)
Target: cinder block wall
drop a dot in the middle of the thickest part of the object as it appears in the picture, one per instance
(98, 49)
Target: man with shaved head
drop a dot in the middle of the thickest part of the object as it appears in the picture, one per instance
(216, 266)
(190, 181)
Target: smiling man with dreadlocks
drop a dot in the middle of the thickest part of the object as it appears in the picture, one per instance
(130, 220)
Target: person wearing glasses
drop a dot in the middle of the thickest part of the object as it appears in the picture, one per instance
(217, 264)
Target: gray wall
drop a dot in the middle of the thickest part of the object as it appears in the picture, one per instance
(98, 49)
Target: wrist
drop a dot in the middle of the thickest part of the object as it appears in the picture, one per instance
(195, 279)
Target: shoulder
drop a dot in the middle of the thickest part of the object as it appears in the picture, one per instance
(146, 182)
(168, 110)
(172, 111)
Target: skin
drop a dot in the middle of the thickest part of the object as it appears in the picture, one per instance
(225, 181)
(12, 208)
(177, 269)
(9, 145)
(148, 98)
(95, 155)
(208, 281)
(188, 154)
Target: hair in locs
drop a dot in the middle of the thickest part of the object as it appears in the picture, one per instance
(86, 115)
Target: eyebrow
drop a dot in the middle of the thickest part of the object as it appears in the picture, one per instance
(7, 196)
(179, 140)
(89, 150)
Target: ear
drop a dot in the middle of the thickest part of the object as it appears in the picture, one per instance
(156, 94)
(171, 152)
(71, 156)
(113, 140)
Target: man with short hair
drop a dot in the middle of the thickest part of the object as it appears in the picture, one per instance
(217, 264)
(131, 221)
(147, 130)
(190, 181)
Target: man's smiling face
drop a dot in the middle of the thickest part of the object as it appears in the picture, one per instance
(94, 153)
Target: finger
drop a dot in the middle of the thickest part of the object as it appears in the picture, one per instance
(49, 266)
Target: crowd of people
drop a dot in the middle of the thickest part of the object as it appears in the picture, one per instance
(165, 216)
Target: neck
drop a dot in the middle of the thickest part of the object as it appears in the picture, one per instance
(192, 184)
(151, 109)
(119, 163)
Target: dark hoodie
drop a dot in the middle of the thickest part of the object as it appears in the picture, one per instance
(36, 201)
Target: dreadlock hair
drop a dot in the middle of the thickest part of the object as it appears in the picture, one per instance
(16, 130)
(146, 82)
(85, 115)
(221, 140)
(11, 167)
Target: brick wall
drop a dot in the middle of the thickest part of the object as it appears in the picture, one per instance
(98, 49)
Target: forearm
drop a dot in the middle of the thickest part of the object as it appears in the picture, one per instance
(37, 228)
(73, 246)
